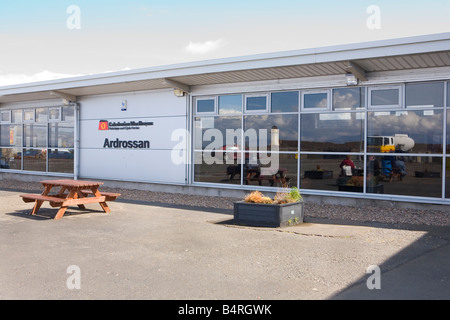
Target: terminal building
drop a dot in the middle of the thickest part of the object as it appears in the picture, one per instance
(359, 121)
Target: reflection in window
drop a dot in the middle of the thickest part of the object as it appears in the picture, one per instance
(11, 135)
(28, 115)
(332, 172)
(230, 104)
(332, 132)
(429, 94)
(35, 159)
(271, 170)
(216, 168)
(315, 100)
(206, 105)
(60, 135)
(35, 135)
(256, 103)
(211, 132)
(401, 174)
(16, 116)
(68, 113)
(11, 158)
(407, 131)
(265, 131)
(60, 160)
(385, 97)
(5, 116)
(349, 98)
(284, 101)
(41, 114)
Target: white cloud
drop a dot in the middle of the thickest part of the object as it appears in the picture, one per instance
(204, 47)
(11, 79)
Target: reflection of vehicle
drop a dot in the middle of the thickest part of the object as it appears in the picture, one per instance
(396, 143)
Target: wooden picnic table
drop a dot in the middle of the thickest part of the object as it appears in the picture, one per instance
(71, 193)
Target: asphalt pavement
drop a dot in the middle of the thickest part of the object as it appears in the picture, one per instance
(147, 251)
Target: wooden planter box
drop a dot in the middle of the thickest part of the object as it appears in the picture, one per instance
(268, 215)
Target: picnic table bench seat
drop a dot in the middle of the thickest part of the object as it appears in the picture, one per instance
(110, 196)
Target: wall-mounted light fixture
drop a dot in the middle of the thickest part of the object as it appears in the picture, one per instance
(351, 79)
(124, 105)
(178, 92)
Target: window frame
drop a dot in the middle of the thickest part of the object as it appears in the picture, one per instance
(306, 92)
(214, 98)
(59, 119)
(257, 95)
(34, 115)
(2, 112)
(400, 104)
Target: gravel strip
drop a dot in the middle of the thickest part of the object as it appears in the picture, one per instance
(312, 210)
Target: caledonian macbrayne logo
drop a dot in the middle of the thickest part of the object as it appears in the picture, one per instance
(124, 144)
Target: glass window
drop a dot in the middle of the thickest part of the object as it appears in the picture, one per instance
(230, 104)
(332, 132)
(68, 114)
(41, 114)
(54, 114)
(35, 135)
(11, 135)
(16, 116)
(28, 115)
(448, 94)
(11, 158)
(35, 159)
(284, 101)
(405, 131)
(5, 116)
(60, 135)
(268, 131)
(60, 160)
(315, 100)
(206, 106)
(425, 94)
(256, 103)
(419, 176)
(271, 170)
(216, 168)
(338, 172)
(217, 132)
(349, 98)
(384, 97)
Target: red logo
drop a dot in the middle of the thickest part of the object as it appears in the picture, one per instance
(103, 125)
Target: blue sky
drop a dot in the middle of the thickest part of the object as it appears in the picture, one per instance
(36, 43)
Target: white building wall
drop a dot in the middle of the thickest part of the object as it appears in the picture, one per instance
(154, 162)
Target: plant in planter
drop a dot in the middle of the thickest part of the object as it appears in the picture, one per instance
(286, 208)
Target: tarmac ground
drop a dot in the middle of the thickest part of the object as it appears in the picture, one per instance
(147, 251)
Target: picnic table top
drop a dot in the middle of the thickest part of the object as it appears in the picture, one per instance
(71, 183)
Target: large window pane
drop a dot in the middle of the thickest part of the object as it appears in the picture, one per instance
(272, 170)
(332, 132)
(16, 116)
(60, 160)
(284, 101)
(269, 132)
(405, 131)
(41, 114)
(216, 167)
(401, 174)
(11, 135)
(68, 113)
(349, 98)
(230, 104)
(35, 135)
(11, 158)
(332, 172)
(425, 94)
(217, 132)
(35, 159)
(60, 135)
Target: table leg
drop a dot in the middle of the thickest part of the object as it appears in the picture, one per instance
(63, 208)
(38, 203)
(80, 195)
(102, 204)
